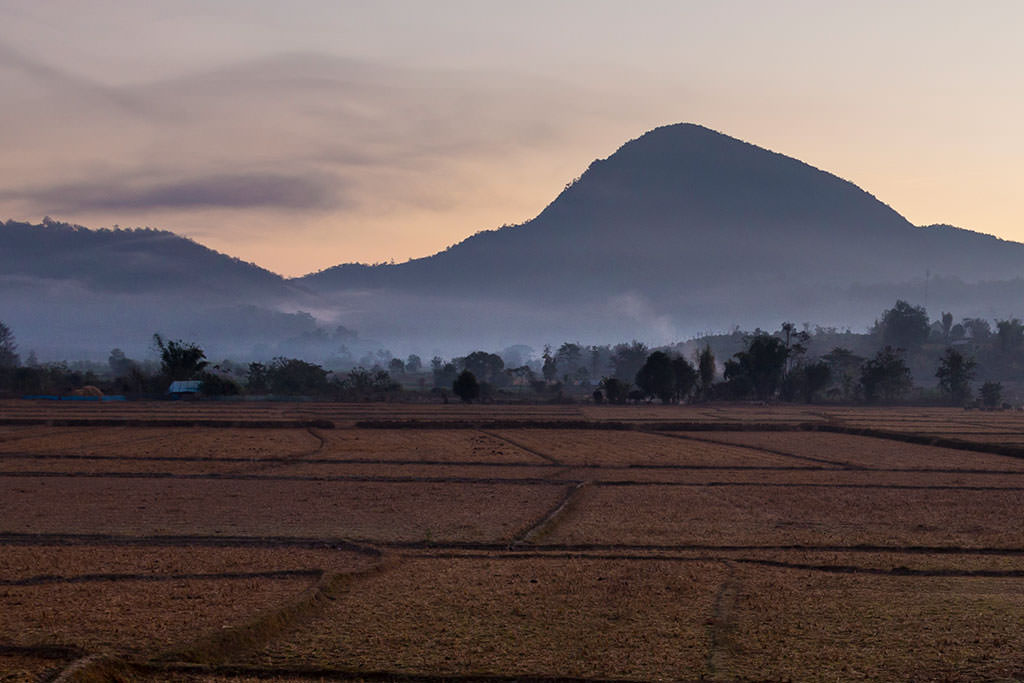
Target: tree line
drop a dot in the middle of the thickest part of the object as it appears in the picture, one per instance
(905, 355)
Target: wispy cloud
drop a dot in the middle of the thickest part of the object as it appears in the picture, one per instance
(372, 160)
(312, 191)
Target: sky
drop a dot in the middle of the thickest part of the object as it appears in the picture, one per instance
(306, 134)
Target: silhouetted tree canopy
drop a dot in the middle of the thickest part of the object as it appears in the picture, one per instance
(294, 377)
(466, 387)
(904, 326)
(8, 348)
(955, 373)
(885, 377)
(759, 368)
(705, 371)
(656, 377)
(991, 394)
(615, 390)
(486, 367)
(180, 360)
(627, 359)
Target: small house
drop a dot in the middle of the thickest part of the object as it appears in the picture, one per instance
(185, 388)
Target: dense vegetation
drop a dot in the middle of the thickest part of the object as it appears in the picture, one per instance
(904, 357)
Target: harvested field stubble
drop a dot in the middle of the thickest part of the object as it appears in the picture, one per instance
(433, 472)
(516, 617)
(20, 563)
(406, 511)
(71, 465)
(462, 445)
(797, 476)
(763, 515)
(807, 626)
(592, 447)
(28, 669)
(864, 451)
(133, 616)
(156, 441)
(689, 555)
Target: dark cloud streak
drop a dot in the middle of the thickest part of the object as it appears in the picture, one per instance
(311, 191)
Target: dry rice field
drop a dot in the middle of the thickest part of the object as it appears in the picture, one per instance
(238, 542)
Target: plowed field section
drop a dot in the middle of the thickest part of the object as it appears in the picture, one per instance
(587, 618)
(493, 547)
(414, 445)
(863, 451)
(624, 449)
(141, 442)
(350, 510)
(759, 515)
(793, 625)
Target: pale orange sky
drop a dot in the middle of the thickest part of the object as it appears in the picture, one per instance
(307, 135)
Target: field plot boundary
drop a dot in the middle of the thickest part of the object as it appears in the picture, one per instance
(543, 456)
(214, 646)
(295, 460)
(175, 541)
(836, 464)
(540, 553)
(158, 422)
(921, 439)
(495, 481)
(311, 673)
(826, 425)
(43, 579)
(554, 516)
(602, 425)
(377, 548)
(57, 652)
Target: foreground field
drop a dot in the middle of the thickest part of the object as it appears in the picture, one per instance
(236, 542)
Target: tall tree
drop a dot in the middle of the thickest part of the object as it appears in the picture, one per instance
(628, 359)
(657, 377)
(955, 373)
(550, 368)
(904, 326)
(885, 376)
(466, 387)
(569, 359)
(844, 367)
(760, 366)
(1010, 335)
(705, 371)
(180, 360)
(685, 378)
(947, 326)
(486, 367)
(8, 348)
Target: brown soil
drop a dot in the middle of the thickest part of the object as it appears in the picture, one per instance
(581, 618)
(862, 451)
(809, 626)
(761, 515)
(226, 554)
(591, 447)
(404, 511)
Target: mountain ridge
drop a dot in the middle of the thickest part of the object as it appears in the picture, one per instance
(679, 230)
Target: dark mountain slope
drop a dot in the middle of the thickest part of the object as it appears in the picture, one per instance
(70, 292)
(683, 206)
(129, 261)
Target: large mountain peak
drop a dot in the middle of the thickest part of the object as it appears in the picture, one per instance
(691, 178)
